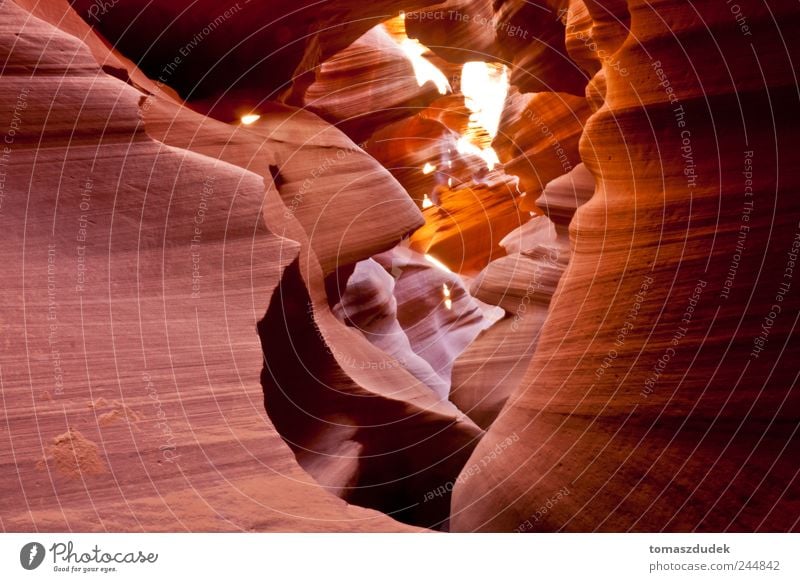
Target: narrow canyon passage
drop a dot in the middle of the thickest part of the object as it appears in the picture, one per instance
(493, 265)
(407, 301)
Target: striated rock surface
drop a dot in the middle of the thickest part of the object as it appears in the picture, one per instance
(228, 58)
(367, 85)
(538, 230)
(653, 401)
(136, 273)
(331, 186)
(523, 284)
(561, 198)
(528, 37)
(369, 305)
(509, 280)
(465, 227)
(362, 412)
(584, 283)
(357, 420)
(540, 143)
(435, 308)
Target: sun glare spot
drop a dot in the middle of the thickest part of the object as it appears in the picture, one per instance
(250, 118)
(437, 263)
(485, 87)
(448, 302)
(424, 70)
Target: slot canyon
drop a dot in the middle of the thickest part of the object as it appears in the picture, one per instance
(401, 265)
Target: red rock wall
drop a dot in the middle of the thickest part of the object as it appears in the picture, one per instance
(130, 362)
(642, 377)
(227, 57)
(660, 395)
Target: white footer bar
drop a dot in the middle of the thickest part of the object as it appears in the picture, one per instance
(401, 557)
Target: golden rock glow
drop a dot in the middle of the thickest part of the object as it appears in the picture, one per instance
(250, 118)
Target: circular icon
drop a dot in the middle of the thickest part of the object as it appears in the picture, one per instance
(31, 555)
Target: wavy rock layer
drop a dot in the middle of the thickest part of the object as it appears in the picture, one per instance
(538, 142)
(362, 424)
(629, 366)
(368, 85)
(653, 401)
(364, 417)
(523, 284)
(135, 275)
(227, 58)
(369, 305)
(528, 37)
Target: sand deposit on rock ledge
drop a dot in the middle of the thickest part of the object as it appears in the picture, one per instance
(75, 455)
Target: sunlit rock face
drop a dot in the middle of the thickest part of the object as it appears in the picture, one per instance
(538, 141)
(528, 37)
(369, 84)
(465, 226)
(352, 251)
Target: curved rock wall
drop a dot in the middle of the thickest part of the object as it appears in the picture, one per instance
(660, 395)
(614, 339)
(135, 273)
